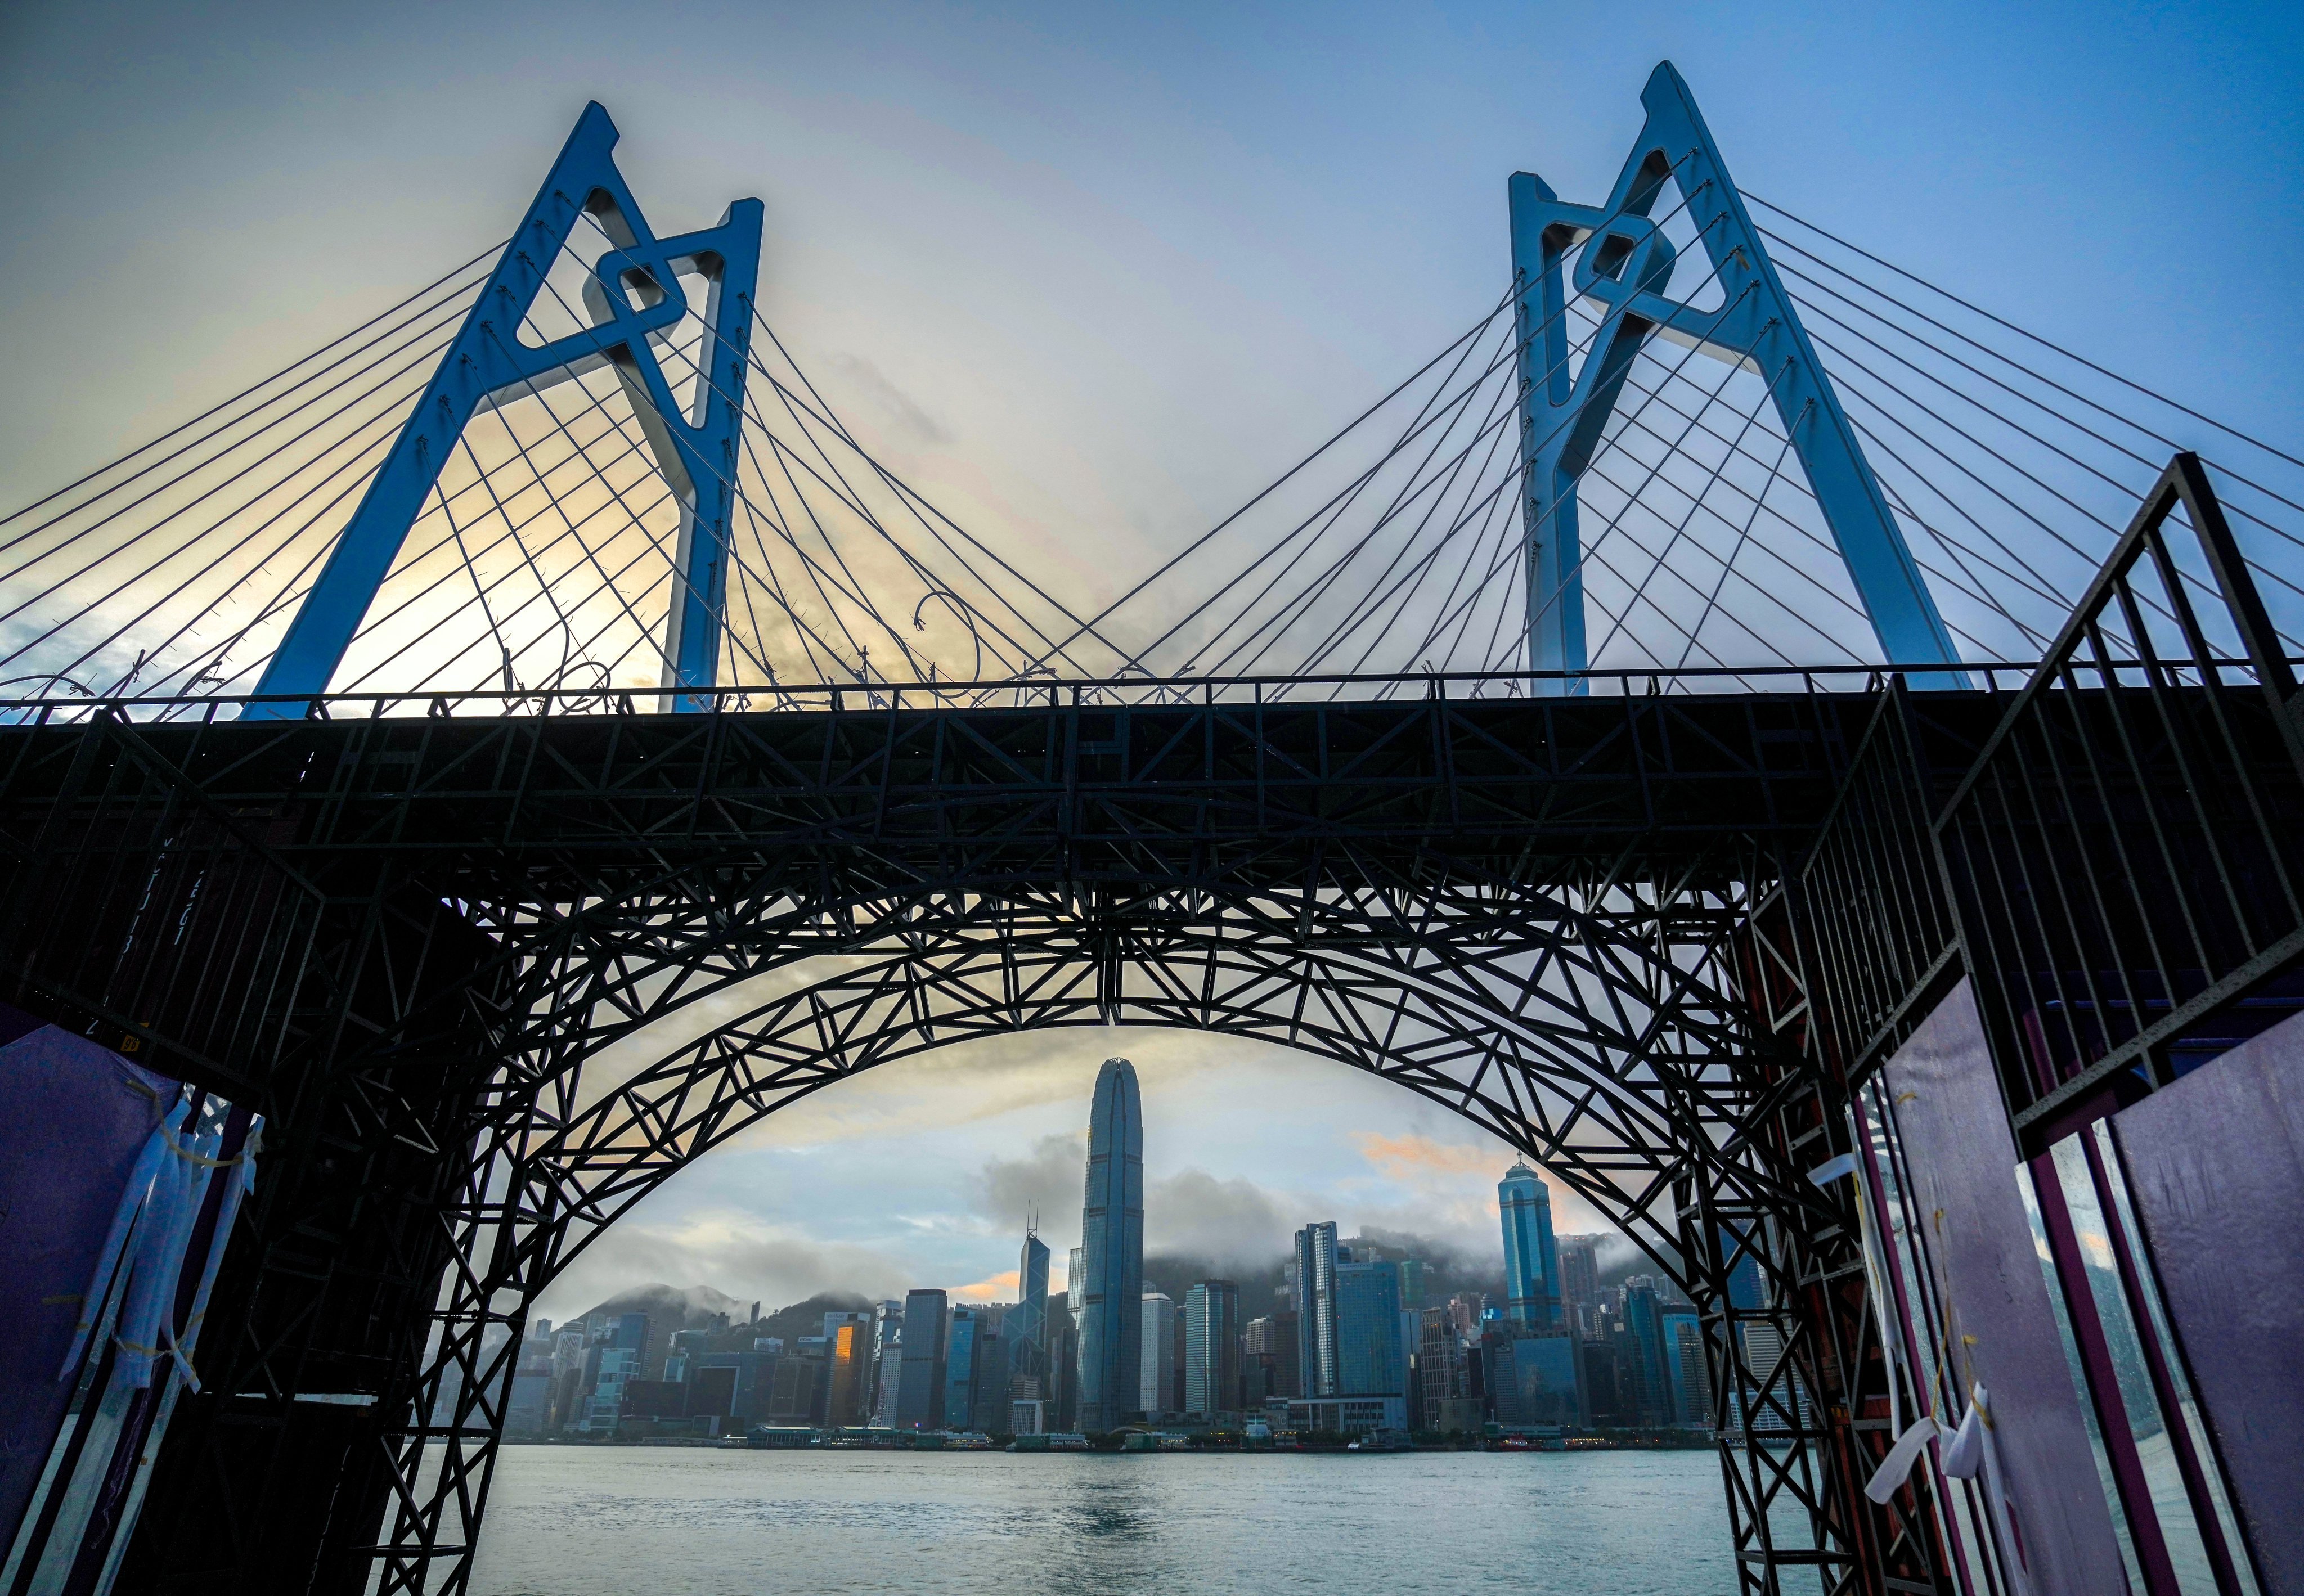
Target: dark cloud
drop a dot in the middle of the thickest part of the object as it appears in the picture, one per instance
(1052, 1175)
(1235, 1222)
(1232, 1222)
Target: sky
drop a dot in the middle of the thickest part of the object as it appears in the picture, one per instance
(922, 1172)
(1098, 273)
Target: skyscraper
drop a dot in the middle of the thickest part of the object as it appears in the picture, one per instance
(1370, 1361)
(1272, 1344)
(1532, 1259)
(1644, 1333)
(963, 1348)
(848, 1398)
(887, 1361)
(1580, 1281)
(1027, 1329)
(1212, 1347)
(1110, 1291)
(1062, 1392)
(1685, 1367)
(919, 1394)
(1316, 1309)
(1158, 1347)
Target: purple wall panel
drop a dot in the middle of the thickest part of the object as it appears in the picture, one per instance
(2215, 1168)
(74, 1124)
(1954, 1131)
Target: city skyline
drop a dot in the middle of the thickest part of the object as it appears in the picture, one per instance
(1366, 1338)
(1381, 1335)
(926, 1170)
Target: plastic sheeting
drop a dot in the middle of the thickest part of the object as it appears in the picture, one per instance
(136, 1208)
(2216, 1168)
(77, 1118)
(1954, 1131)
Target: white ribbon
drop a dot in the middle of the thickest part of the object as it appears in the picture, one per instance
(1896, 1468)
(1963, 1458)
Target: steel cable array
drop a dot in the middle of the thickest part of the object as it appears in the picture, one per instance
(546, 559)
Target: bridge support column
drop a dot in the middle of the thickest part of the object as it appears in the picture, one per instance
(634, 297)
(1624, 267)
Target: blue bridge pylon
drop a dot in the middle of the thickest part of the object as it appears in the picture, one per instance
(633, 296)
(1623, 265)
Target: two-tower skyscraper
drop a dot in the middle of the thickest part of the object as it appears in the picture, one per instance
(1112, 1253)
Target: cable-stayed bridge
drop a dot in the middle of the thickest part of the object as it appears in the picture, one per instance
(1620, 730)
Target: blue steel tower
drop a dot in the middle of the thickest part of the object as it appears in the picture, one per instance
(1112, 1253)
(1532, 1259)
(1028, 1327)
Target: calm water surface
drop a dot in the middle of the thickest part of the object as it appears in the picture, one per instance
(573, 1520)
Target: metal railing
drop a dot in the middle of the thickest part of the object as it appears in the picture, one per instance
(1032, 692)
(2120, 865)
(2125, 855)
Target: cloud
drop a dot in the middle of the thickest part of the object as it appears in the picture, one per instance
(733, 1251)
(1412, 1157)
(1000, 1288)
(1235, 1223)
(1051, 1176)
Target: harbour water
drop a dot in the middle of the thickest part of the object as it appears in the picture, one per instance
(569, 1521)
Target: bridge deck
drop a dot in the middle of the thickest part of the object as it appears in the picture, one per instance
(981, 794)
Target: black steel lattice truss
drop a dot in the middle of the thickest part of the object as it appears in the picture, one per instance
(420, 946)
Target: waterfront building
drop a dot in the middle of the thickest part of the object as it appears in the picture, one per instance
(795, 1392)
(1109, 1298)
(1027, 1416)
(613, 1361)
(964, 1346)
(1597, 1366)
(531, 1402)
(1347, 1416)
(1580, 1281)
(1027, 1332)
(1644, 1335)
(1272, 1339)
(887, 1362)
(1684, 1365)
(847, 1389)
(731, 1385)
(1212, 1349)
(1532, 1379)
(1763, 1349)
(1369, 1359)
(1531, 1256)
(1157, 1348)
(1062, 1392)
(921, 1376)
(1439, 1365)
(1316, 1309)
(988, 1398)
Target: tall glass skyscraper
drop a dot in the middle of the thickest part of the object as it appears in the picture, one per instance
(919, 1395)
(1531, 1258)
(1110, 1294)
(1026, 1329)
(964, 1342)
(1316, 1308)
(1212, 1348)
(1370, 1361)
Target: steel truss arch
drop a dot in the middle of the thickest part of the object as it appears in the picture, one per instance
(1657, 1146)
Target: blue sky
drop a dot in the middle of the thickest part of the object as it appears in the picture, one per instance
(1095, 274)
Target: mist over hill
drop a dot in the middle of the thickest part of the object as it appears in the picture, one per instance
(1263, 1289)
